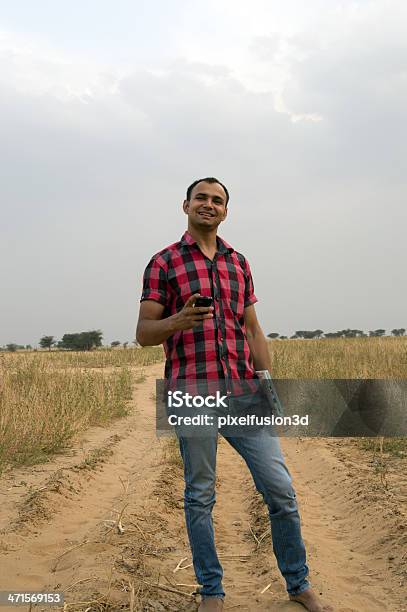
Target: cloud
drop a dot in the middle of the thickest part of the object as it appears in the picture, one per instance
(305, 125)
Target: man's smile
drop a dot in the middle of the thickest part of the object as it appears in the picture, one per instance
(206, 214)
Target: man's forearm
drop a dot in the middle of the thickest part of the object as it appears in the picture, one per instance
(259, 349)
(151, 332)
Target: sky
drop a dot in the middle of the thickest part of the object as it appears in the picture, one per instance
(109, 110)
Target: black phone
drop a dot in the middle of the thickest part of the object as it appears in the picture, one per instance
(203, 301)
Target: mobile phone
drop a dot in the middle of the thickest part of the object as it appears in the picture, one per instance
(203, 301)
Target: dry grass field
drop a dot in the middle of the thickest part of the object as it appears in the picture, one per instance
(383, 357)
(46, 398)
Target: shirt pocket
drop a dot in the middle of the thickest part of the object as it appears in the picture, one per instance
(232, 289)
(182, 287)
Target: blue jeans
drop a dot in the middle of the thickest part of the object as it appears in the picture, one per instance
(263, 456)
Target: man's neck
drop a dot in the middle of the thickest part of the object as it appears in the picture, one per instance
(205, 240)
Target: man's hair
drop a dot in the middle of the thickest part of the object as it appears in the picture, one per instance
(208, 179)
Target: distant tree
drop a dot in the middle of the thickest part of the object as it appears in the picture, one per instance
(12, 347)
(358, 332)
(93, 338)
(273, 335)
(398, 332)
(47, 342)
(28, 347)
(377, 332)
(125, 344)
(309, 334)
(345, 333)
(115, 343)
(83, 341)
(283, 337)
(69, 342)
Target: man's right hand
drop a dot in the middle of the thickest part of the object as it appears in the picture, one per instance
(152, 329)
(191, 315)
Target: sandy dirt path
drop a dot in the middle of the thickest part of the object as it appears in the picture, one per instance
(104, 524)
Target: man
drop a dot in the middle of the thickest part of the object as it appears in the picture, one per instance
(221, 343)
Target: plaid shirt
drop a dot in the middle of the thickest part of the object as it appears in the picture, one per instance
(217, 348)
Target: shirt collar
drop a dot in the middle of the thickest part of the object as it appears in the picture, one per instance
(223, 246)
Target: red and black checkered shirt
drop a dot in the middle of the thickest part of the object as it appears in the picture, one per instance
(217, 348)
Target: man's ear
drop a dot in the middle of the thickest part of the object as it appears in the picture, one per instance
(185, 206)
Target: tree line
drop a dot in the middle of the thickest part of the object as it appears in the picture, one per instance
(80, 341)
(88, 340)
(343, 333)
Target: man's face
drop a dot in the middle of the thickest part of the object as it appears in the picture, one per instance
(207, 206)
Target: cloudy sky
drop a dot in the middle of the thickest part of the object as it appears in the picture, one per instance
(108, 110)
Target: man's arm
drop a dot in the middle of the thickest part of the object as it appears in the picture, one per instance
(153, 330)
(256, 340)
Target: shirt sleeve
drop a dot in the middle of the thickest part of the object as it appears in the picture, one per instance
(155, 283)
(249, 295)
